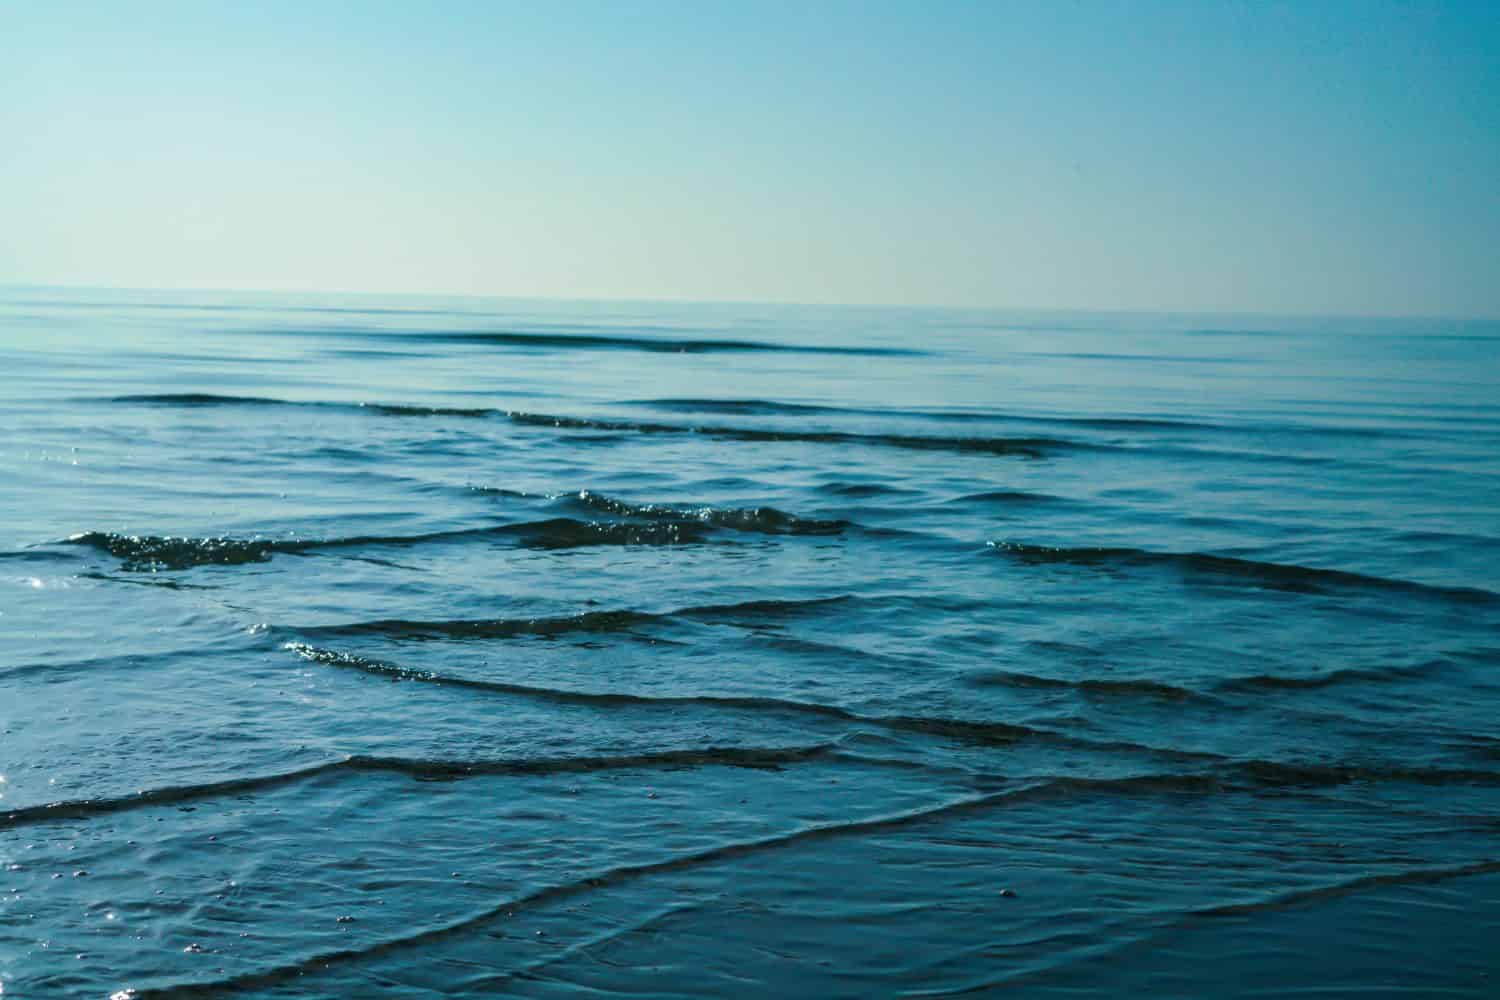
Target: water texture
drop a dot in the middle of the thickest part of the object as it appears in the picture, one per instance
(383, 647)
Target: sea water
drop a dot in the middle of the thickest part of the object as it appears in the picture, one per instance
(394, 647)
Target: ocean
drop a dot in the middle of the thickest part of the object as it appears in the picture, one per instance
(375, 646)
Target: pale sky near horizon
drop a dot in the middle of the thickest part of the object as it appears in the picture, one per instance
(1321, 157)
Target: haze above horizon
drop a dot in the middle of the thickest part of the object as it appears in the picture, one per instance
(1217, 157)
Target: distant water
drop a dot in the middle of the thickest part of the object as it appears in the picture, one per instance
(368, 647)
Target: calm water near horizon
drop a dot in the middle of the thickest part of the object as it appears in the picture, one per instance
(359, 646)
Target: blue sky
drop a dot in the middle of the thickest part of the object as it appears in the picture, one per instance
(1270, 157)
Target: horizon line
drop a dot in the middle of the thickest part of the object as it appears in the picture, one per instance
(774, 303)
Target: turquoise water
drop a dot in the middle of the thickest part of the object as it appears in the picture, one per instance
(391, 647)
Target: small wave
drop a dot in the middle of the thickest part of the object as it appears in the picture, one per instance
(1096, 685)
(191, 399)
(661, 345)
(117, 661)
(568, 533)
(1225, 776)
(744, 407)
(1281, 576)
(592, 622)
(158, 552)
(1027, 447)
(1411, 876)
(860, 490)
(1008, 498)
(202, 399)
(764, 758)
(150, 552)
(1275, 774)
(500, 491)
(400, 410)
(1238, 333)
(1347, 675)
(766, 520)
(1063, 787)
(34, 555)
(767, 609)
(276, 975)
(1147, 785)
(983, 732)
(973, 731)
(148, 581)
(1187, 359)
(772, 408)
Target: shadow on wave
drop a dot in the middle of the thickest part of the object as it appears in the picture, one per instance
(1278, 576)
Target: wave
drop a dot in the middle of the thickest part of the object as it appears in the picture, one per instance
(34, 555)
(1275, 774)
(157, 552)
(998, 444)
(151, 552)
(860, 490)
(1257, 773)
(637, 524)
(591, 622)
(1141, 785)
(568, 533)
(772, 408)
(764, 758)
(403, 410)
(192, 399)
(148, 581)
(146, 659)
(203, 399)
(1346, 675)
(1009, 497)
(977, 732)
(746, 407)
(1414, 876)
(984, 732)
(1280, 576)
(1159, 358)
(273, 976)
(619, 342)
(1099, 686)
(766, 520)
(1027, 447)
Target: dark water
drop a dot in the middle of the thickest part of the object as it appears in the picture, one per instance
(420, 648)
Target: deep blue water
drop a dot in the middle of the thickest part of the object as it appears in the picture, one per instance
(391, 647)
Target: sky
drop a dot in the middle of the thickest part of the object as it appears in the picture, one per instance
(1326, 156)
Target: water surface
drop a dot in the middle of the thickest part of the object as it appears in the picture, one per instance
(392, 647)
